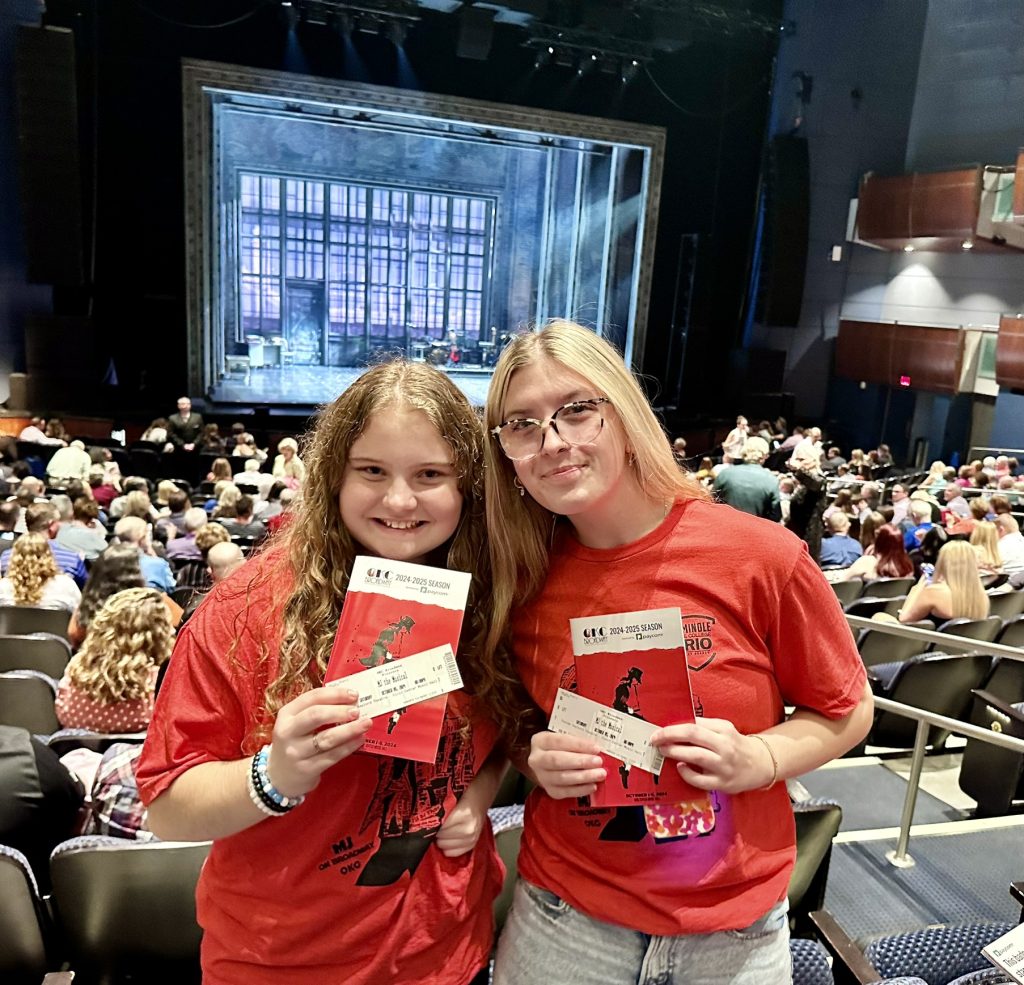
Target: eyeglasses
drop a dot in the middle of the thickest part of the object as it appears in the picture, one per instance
(576, 423)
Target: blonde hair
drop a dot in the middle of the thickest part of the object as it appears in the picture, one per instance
(319, 550)
(127, 638)
(519, 529)
(32, 565)
(957, 566)
(164, 489)
(985, 541)
(221, 470)
(210, 534)
(137, 503)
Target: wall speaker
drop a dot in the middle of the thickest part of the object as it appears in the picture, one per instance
(788, 204)
(50, 179)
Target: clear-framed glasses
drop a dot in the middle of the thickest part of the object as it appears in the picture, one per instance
(576, 423)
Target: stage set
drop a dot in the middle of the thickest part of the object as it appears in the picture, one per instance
(331, 224)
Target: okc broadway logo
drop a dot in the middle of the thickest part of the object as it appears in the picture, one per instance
(378, 575)
(594, 633)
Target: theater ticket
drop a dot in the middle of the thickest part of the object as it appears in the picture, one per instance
(404, 682)
(618, 734)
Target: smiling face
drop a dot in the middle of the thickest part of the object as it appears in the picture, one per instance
(399, 495)
(581, 482)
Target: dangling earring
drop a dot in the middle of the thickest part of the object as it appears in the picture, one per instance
(519, 486)
(630, 458)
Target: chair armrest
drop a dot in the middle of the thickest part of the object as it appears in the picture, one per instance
(1017, 892)
(999, 704)
(850, 967)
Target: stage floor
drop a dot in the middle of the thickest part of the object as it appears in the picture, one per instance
(314, 385)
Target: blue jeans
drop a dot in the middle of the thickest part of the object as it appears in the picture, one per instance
(545, 940)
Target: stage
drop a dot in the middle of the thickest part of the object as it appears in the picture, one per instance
(315, 385)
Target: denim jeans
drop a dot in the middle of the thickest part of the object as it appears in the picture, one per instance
(545, 940)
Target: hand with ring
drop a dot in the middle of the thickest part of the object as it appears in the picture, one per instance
(312, 733)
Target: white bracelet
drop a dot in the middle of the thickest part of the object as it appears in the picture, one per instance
(257, 801)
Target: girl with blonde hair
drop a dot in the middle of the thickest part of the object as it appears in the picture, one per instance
(985, 541)
(109, 685)
(33, 577)
(588, 514)
(953, 591)
(367, 869)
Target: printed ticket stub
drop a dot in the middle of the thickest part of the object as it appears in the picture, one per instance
(1007, 952)
(620, 735)
(401, 683)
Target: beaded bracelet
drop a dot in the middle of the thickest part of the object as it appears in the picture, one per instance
(254, 796)
(771, 755)
(261, 789)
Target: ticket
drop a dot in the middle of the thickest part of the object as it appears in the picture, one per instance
(400, 683)
(618, 734)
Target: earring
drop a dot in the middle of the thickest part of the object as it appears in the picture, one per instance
(630, 458)
(519, 486)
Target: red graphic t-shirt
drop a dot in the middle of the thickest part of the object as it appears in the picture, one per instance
(762, 629)
(349, 886)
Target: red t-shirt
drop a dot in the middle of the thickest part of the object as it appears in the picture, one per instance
(348, 887)
(763, 629)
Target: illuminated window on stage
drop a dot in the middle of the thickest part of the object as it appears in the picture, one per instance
(395, 265)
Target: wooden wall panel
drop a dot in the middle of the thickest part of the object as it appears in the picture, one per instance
(1010, 352)
(1018, 189)
(882, 352)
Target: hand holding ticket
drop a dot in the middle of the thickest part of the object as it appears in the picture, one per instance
(401, 683)
(622, 736)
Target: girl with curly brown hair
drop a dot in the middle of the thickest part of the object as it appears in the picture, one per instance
(33, 577)
(361, 868)
(110, 683)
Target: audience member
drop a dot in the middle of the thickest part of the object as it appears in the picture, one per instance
(962, 526)
(886, 559)
(954, 591)
(156, 432)
(43, 518)
(227, 499)
(735, 440)
(72, 462)
(286, 499)
(246, 447)
(807, 503)
(116, 569)
(34, 432)
(955, 502)
(83, 533)
(102, 489)
(184, 427)
(32, 577)
(220, 471)
(900, 503)
(157, 572)
(1011, 543)
(223, 560)
(869, 525)
(174, 518)
(10, 511)
(985, 541)
(184, 547)
(679, 451)
(921, 515)
(833, 459)
(242, 523)
(287, 464)
(210, 441)
(110, 684)
(749, 486)
(840, 550)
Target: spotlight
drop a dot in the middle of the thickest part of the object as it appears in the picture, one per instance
(628, 70)
(290, 14)
(967, 244)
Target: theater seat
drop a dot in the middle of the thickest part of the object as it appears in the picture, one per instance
(126, 909)
(937, 682)
(993, 776)
(23, 957)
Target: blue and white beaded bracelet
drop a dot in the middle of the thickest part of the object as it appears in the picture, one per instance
(263, 793)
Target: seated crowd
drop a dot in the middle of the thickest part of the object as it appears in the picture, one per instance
(128, 559)
(863, 517)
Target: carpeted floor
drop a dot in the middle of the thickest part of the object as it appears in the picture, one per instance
(957, 878)
(872, 797)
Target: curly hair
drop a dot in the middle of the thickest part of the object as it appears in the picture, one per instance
(317, 550)
(130, 636)
(32, 566)
(115, 570)
(210, 534)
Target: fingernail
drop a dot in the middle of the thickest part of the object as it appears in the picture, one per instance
(604, 774)
(596, 761)
(350, 694)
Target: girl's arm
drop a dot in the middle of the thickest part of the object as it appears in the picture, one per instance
(712, 755)
(212, 800)
(463, 826)
(923, 600)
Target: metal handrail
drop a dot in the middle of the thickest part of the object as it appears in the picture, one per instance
(946, 640)
(900, 857)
